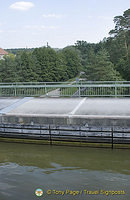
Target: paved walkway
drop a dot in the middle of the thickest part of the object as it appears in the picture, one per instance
(53, 93)
(66, 106)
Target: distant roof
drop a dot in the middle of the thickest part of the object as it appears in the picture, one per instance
(3, 52)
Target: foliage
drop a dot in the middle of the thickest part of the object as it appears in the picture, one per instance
(114, 63)
(41, 65)
(102, 68)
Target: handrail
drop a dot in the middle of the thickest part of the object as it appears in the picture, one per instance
(66, 82)
(72, 89)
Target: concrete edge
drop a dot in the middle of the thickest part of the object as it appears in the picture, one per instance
(67, 115)
(65, 120)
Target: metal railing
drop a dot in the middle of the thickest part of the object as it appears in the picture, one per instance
(108, 135)
(70, 89)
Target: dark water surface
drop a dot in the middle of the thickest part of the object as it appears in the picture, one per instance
(61, 171)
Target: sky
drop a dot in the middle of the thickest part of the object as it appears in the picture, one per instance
(34, 23)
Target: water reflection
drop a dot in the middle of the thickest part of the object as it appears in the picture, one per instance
(25, 167)
(55, 157)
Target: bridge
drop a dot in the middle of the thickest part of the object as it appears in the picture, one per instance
(26, 111)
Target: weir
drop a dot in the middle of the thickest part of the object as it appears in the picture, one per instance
(80, 121)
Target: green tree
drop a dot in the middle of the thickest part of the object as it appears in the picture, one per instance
(8, 72)
(25, 67)
(119, 44)
(72, 61)
(102, 68)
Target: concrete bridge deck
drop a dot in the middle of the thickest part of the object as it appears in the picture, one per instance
(67, 111)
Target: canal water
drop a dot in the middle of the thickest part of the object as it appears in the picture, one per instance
(66, 173)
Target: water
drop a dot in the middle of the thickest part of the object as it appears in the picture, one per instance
(61, 171)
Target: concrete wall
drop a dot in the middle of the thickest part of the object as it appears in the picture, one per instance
(66, 120)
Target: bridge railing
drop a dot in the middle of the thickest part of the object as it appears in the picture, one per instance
(93, 89)
(80, 82)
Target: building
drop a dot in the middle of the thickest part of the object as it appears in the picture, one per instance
(2, 53)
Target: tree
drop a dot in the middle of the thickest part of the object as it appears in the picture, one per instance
(72, 61)
(102, 69)
(25, 67)
(49, 64)
(121, 31)
(118, 45)
(8, 72)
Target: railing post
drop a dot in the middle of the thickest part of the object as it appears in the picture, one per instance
(115, 90)
(79, 90)
(45, 89)
(50, 135)
(112, 137)
(80, 134)
(15, 92)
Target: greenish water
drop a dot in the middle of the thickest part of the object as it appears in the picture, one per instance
(60, 170)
